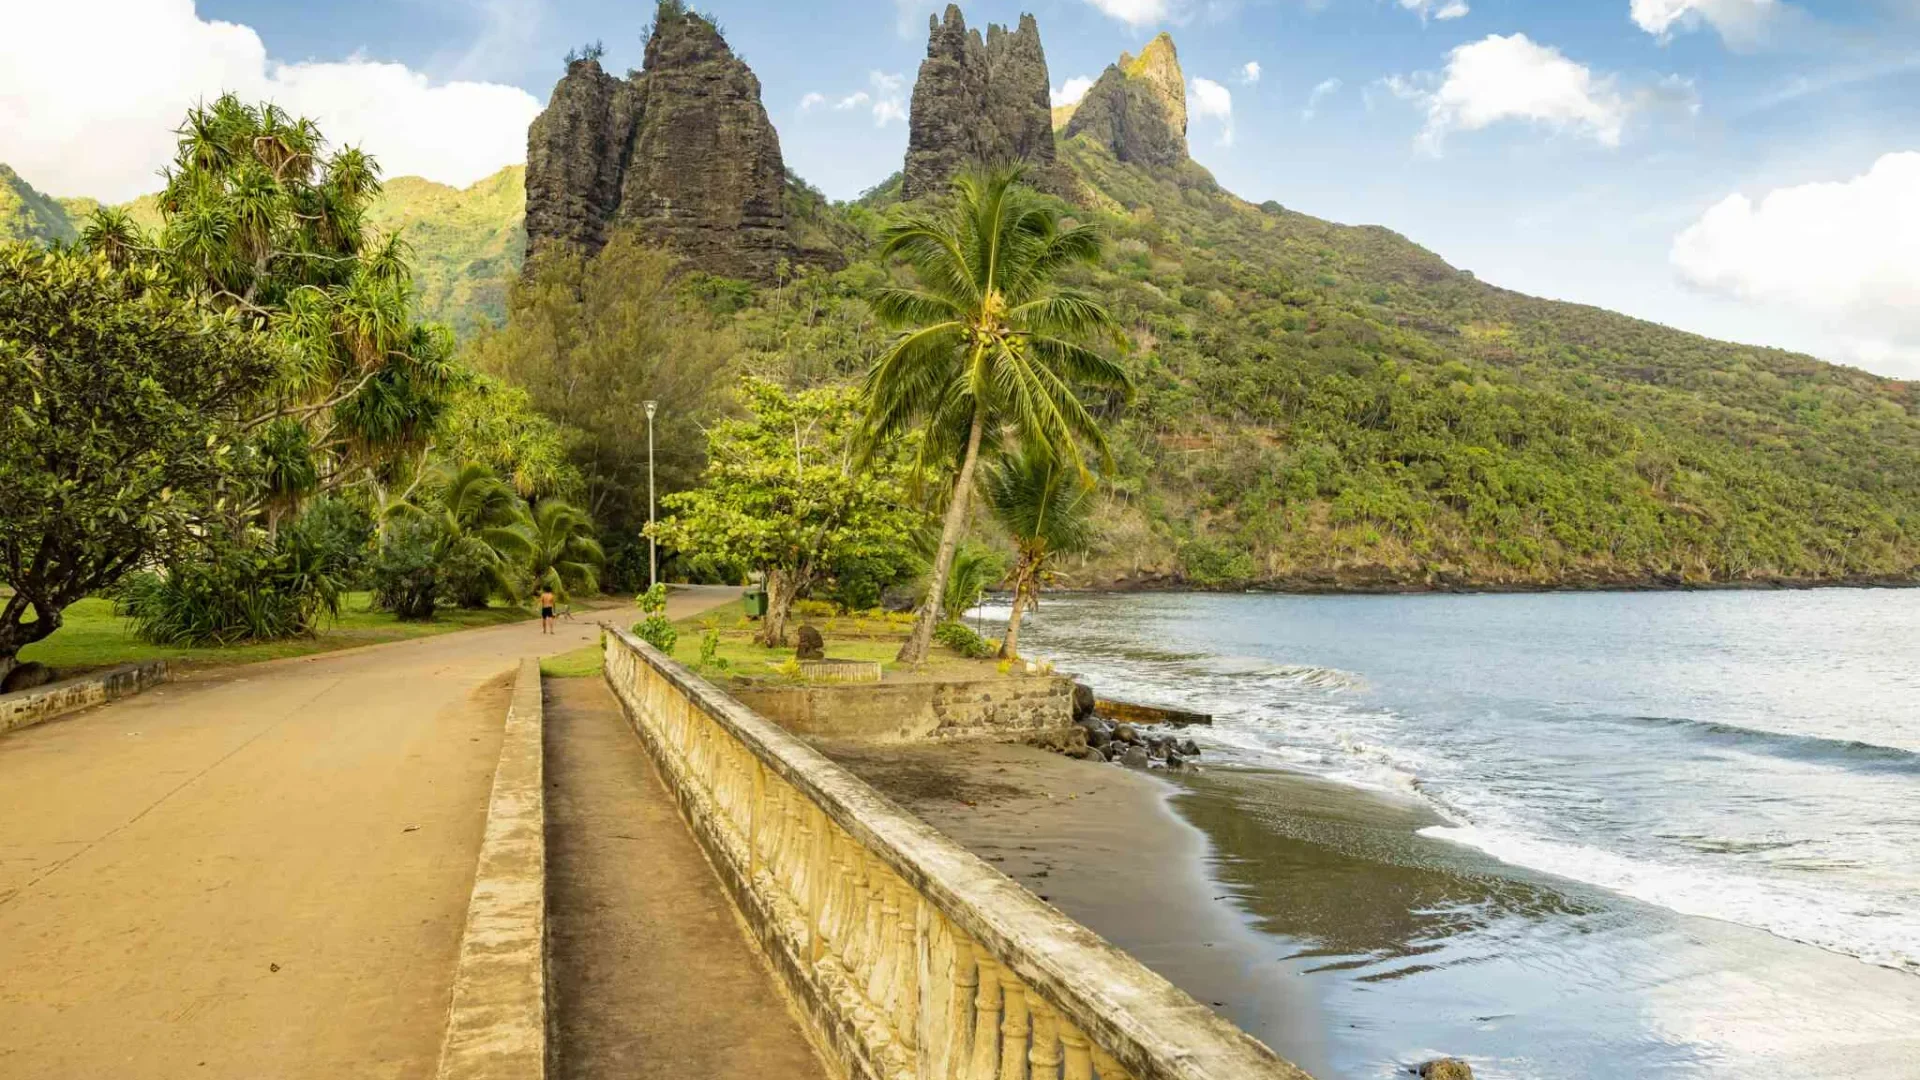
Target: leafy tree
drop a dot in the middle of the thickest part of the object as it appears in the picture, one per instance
(1047, 507)
(991, 344)
(120, 408)
(565, 556)
(495, 424)
(592, 339)
(783, 494)
(259, 222)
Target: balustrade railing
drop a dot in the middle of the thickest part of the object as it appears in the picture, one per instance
(914, 959)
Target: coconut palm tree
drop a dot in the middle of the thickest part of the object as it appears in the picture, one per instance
(565, 554)
(990, 346)
(1047, 507)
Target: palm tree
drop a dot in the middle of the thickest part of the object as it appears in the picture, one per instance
(565, 554)
(1047, 507)
(990, 345)
(480, 533)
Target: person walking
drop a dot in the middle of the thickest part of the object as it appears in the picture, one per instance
(546, 611)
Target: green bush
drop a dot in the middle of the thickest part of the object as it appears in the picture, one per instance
(710, 650)
(656, 631)
(406, 573)
(261, 590)
(961, 639)
(1213, 565)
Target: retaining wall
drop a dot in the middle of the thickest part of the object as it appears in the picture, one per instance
(911, 958)
(1007, 709)
(29, 707)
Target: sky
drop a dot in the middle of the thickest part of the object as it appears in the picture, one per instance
(1747, 169)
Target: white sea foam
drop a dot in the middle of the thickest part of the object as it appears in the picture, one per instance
(1814, 916)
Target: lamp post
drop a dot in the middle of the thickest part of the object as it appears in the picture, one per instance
(653, 546)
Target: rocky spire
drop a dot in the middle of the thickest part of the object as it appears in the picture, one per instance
(1138, 109)
(682, 150)
(979, 101)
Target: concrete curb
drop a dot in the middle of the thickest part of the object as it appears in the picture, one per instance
(497, 1024)
(29, 707)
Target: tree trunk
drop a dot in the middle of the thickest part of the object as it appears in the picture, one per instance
(782, 587)
(1025, 580)
(921, 640)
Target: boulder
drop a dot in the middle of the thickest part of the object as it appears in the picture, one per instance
(812, 645)
(1175, 761)
(1114, 750)
(1446, 1069)
(1125, 733)
(1098, 733)
(25, 677)
(1089, 753)
(1189, 748)
(1136, 758)
(1082, 702)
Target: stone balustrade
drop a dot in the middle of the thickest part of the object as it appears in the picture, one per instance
(911, 958)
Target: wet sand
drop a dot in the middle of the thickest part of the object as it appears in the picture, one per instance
(1314, 915)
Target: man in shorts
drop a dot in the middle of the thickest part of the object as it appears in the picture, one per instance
(546, 611)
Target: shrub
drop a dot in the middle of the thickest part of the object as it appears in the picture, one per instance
(237, 591)
(655, 629)
(710, 649)
(406, 573)
(961, 639)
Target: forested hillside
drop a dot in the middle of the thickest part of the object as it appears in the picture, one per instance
(1331, 406)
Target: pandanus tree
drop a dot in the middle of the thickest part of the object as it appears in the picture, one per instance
(991, 345)
(1046, 505)
(261, 223)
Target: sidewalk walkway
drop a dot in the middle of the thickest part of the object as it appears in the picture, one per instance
(653, 976)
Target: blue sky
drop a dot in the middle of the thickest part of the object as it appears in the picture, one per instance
(1729, 166)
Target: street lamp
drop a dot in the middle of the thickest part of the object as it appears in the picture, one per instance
(653, 546)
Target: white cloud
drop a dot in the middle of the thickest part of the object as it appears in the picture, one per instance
(812, 100)
(1512, 78)
(1846, 254)
(1438, 9)
(99, 121)
(1135, 12)
(1321, 91)
(1071, 91)
(1738, 21)
(1250, 74)
(885, 99)
(1209, 100)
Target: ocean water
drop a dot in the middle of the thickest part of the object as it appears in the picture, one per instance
(1638, 759)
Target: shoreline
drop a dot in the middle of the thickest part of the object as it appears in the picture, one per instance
(1312, 913)
(1328, 584)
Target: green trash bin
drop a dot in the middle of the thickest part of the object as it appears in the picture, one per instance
(755, 601)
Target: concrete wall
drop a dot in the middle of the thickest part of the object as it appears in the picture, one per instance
(497, 1022)
(909, 957)
(36, 706)
(1003, 709)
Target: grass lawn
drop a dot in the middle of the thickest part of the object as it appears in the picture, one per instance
(94, 637)
(865, 636)
(581, 663)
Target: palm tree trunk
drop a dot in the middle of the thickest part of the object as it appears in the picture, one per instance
(1023, 589)
(921, 640)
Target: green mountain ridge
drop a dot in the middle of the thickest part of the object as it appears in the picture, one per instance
(1328, 406)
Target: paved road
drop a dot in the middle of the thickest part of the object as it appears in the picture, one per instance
(257, 874)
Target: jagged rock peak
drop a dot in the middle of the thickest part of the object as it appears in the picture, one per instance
(681, 149)
(979, 101)
(1138, 108)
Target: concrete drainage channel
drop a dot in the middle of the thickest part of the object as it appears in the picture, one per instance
(497, 1024)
